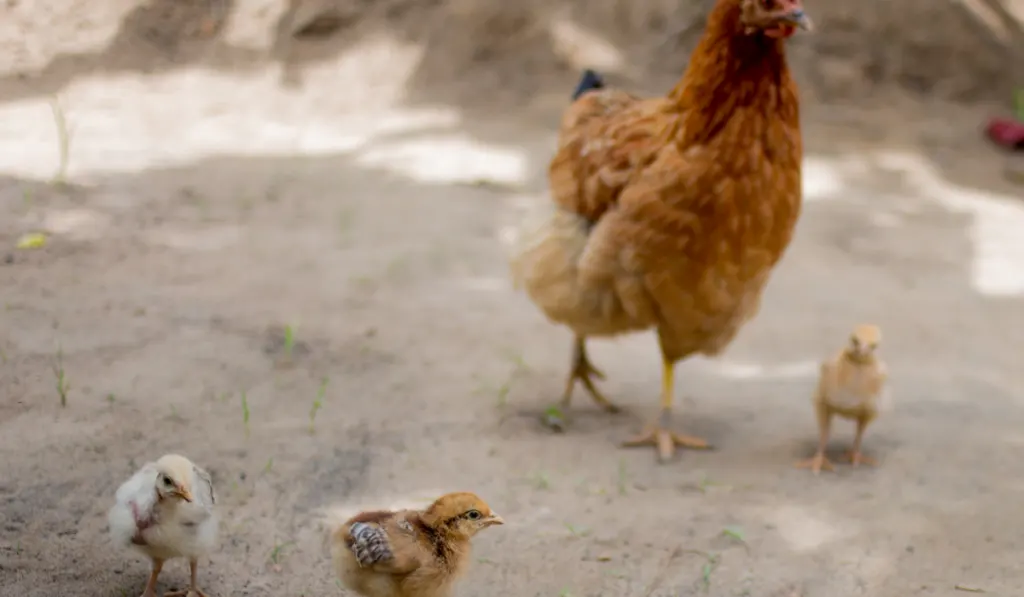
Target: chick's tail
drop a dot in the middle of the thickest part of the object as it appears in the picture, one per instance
(589, 81)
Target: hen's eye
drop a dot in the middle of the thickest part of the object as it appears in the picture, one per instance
(473, 514)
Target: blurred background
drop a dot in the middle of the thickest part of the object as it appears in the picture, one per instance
(272, 235)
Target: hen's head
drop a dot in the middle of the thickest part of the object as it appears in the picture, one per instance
(777, 19)
(864, 341)
(460, 514)
(174, 477)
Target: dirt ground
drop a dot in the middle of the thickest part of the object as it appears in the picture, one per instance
(227, 180)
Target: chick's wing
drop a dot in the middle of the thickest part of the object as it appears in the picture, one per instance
(384, 542)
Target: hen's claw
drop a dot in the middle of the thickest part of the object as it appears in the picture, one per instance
(816, 464)
(665, 441)
(584, 372)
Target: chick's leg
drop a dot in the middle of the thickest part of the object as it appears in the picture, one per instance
(193, 589)
(658, 434)
(150, 590)
(580, 370)
(819, 461)
(856, 458)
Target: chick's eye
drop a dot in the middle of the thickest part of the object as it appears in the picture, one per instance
(473, 514)
(166, 481)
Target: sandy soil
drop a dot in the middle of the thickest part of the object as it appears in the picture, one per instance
(217, 193)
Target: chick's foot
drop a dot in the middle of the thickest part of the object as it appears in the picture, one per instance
(191, 592)
(658, 435)
(856, 459)
(816, 463)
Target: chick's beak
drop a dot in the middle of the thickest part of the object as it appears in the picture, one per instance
(494, 519)
(184, 494)
(798, 18)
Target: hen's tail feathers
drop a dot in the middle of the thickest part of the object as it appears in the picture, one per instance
(369, 544)
(590, 80)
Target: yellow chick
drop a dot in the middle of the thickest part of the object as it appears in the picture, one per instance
(852, 385)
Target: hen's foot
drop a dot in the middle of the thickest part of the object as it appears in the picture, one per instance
(190, 592)
(816, 464)
(665, 441)
(584, 372)
(856, 459)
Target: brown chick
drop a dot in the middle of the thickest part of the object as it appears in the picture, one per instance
(410, 553)
(852, 385)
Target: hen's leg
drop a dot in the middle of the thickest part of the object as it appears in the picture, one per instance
(658, 434)
(193, 589)
(150, 590)
(581, 370)
(856, 458)
(818, 461)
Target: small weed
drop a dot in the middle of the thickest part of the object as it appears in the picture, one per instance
(63, 140)
(565, 593)
(245, 412)
(275, 554)
(346, 221)
(711, 561)
(541, 481)
(3, 356)
(578, 532)
(519, 368)
(317, 404)
(735, 533)
(623, 480)
(58, 372)
(269, 465)
(289, 341)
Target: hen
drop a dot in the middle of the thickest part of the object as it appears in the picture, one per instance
(852, 386)
(410, 553)
(670, 213)
(165, 510)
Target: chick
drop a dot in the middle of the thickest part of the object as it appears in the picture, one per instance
(852, 385)
(166, 510)
(410, 553)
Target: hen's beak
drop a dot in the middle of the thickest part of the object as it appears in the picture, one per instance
(494, 519)
(798, 18)
(184, 494)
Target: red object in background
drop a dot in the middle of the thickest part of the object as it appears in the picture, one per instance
(1007, 133)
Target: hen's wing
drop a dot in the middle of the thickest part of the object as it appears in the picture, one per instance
(606, 137)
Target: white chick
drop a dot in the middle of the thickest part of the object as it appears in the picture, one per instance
(165, 510)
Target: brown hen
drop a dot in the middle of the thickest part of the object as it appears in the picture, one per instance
(410, 553)
(671, 212)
